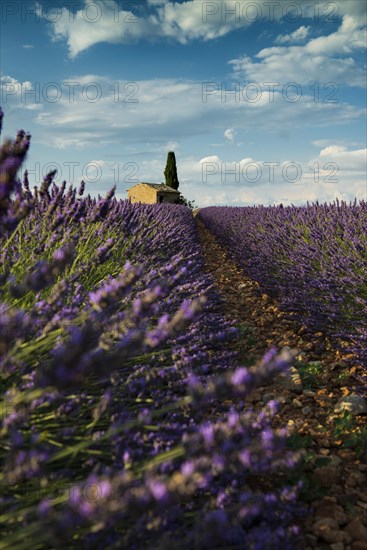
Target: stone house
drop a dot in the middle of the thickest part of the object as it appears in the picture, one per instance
(150, 193)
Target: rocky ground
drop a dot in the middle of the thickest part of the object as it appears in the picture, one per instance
(325, 416)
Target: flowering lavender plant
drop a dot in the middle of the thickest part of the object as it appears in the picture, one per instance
(124, 421)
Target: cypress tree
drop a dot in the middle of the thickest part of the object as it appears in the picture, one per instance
(170, 172)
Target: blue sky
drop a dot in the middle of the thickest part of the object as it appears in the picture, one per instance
(262, 101)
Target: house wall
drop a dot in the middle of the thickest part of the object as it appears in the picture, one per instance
(142, 193)
(148, 195)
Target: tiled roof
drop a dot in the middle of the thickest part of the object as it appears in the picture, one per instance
(158, 186)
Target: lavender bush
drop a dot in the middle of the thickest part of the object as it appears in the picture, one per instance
(124, 421)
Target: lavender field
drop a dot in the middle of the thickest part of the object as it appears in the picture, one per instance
(124, 421)
(313, 259)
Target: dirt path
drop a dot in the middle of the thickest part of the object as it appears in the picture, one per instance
(335, 475)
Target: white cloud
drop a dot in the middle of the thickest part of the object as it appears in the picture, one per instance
(329, 56)
(33, 107)
(229, 135)
(27, 46)
(355, 160)
(211, 158)
(20, 94)
(297, 36)
(104, 21)
(68, 143)
(350, 36)
(332, 150)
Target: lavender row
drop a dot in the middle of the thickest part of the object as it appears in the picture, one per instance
(123, 410)
(313, 259)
